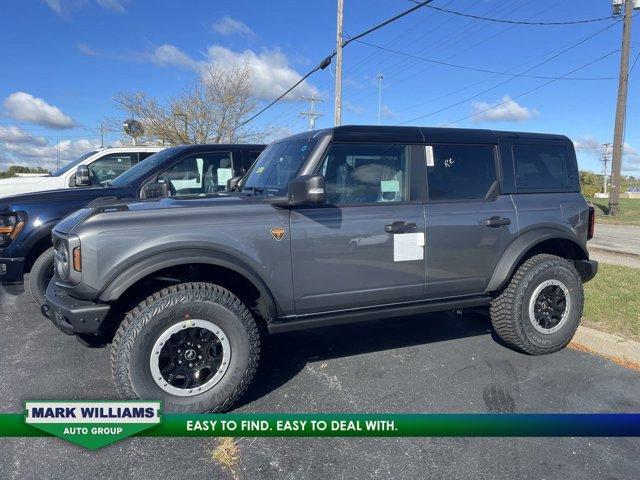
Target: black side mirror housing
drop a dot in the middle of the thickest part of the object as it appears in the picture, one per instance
(82, 177)
(307, 189)
(233, 182)
(155, 190)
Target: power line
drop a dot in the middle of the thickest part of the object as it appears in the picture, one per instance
(327, 60)
(476, 69)
(516, 22)
(534, 89)
(562, 52)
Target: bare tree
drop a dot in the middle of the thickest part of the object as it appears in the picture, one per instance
(210, 111)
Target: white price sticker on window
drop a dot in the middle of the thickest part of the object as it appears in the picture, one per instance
(428, 152)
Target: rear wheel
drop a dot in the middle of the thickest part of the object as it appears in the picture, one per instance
(194, 346)
(540, 309)
(40, 276)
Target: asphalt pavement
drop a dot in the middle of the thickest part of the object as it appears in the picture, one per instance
(616, 238)
(432, 363)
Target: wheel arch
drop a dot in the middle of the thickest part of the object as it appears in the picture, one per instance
(543, 240)
(158, 262)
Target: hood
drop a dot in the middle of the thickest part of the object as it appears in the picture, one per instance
(17, 185)
(184, 202)
(64, 195)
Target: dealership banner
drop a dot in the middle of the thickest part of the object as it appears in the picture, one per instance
(96, 424)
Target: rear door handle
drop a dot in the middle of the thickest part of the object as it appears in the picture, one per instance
(401, 227)
(497, 222)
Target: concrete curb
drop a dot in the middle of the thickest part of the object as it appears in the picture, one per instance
(620, 350)
(612, 250)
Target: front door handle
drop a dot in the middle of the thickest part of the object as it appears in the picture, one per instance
(497, 222)
(401, 227)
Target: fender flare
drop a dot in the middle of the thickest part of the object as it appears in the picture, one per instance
(171, 258)
(519, 247)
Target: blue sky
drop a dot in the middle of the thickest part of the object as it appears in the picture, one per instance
(64, 60)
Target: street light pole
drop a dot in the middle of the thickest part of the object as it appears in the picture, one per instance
(380, 77)
(621, 111)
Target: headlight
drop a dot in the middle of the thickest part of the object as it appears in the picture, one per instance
(10, 227)
(61, 259)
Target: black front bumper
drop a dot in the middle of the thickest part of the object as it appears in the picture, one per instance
(71, 315)
(11, 270)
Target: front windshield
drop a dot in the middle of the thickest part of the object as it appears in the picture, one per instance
(278, 163)
(70, 165)
(141, 170)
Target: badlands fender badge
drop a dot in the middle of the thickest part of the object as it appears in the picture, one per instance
(277, 233)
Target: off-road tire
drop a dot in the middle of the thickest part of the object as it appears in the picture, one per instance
(142, 326)
(38, 277)
(510, 309)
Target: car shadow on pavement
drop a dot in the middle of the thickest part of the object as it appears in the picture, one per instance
(285, 355)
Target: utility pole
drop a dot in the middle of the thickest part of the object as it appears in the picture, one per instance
(621, 111)
(57, 154)
(312, 115)
(338, 104)
(605, 160)
(101, 135)
(380, 77)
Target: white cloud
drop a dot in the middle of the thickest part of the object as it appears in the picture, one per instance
(65, 7)
(505, 110)
(352, 108)
(87, 50)
(13, 134)
(270, 74)
(229, 26)
(27, 108)
(170, 55)
(587, 143)
(591, 146)
(113, 5)
(386, 112)
(43, 155)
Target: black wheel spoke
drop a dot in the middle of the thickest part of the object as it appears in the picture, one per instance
(190, 358)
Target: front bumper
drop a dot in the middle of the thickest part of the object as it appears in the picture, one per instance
(71, 315)
(11, 271)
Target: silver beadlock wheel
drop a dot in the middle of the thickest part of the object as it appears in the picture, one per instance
(190, 357)
(550, 306)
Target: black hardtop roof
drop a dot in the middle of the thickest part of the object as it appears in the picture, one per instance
(207, 147)
(373, 133)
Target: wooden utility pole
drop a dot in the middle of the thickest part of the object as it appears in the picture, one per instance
(338, 104)
(621, 111)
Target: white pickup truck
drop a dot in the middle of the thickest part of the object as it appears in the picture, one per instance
(104, 165)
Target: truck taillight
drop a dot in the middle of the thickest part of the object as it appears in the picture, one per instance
(592, 223)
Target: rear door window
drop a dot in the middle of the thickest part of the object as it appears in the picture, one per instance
(541, 166)
(460, 172)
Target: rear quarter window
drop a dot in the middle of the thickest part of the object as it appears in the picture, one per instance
(542, 166)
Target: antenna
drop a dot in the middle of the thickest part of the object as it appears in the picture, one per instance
(312, 115)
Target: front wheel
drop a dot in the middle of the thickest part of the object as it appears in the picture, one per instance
(540, 309)
(195, 346)
(40, 276)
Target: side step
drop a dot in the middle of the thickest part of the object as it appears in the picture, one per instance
(364, 314)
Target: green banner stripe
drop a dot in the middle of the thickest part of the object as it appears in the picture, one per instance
(372, 425)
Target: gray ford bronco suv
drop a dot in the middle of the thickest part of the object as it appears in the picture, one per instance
(339, 225)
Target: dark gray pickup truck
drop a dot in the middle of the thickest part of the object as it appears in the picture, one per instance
(332, 226)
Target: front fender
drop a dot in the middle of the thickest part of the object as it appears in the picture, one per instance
(519, 247)
(171, 258)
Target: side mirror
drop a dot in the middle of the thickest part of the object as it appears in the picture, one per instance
(155, 190)
(233, 182)
(82, 176)
(307, 189)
